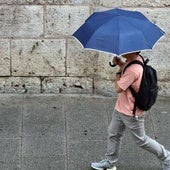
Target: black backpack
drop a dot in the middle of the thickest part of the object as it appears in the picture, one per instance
(148, 90)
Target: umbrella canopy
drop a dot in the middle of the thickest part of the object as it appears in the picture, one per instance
(118, 31)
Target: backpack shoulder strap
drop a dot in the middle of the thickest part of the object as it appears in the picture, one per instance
(130, 87)
(133, 62)
(137, 62)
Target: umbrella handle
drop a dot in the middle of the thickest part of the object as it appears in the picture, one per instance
(112, 65)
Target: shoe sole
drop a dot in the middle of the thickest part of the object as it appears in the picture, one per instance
(114, 168)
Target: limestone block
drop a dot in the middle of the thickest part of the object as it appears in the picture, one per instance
(38, 57)
(55, 2)
(109, 3)
(28, 1)
(16, 1)
(164, 88)
(21, 21)
(80, 62)
(19, 85)
(91, 2)
(104, 87)
(64, 20)
(104, 70)
(151, 3)
(73, 2)
(67, 85)
(4, 58)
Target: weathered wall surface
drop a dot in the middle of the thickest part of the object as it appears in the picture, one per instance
(38, 54)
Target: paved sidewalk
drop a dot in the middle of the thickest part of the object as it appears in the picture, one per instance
(67, 132)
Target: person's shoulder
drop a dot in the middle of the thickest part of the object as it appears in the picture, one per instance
(139, 58)
(135, 68)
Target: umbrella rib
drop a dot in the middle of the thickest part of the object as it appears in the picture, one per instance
(99, 28)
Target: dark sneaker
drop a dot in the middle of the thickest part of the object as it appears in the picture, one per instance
(103, 165)
(166, 163)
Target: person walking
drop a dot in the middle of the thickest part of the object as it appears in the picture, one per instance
(123, 117)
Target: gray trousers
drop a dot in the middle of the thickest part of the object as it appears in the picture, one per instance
(115, 132)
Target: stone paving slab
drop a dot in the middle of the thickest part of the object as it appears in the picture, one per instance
(10, 117)
(68, 132)
(44, 163)
(82, 153)
(87, 118)
(10, 154)
(44, 144)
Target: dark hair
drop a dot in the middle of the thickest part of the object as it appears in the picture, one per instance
(138, 52)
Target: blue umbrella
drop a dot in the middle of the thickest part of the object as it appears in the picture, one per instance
(118, 31)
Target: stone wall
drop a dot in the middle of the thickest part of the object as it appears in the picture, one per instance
(38, 54)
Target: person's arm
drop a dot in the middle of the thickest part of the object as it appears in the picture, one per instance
(121, 64)
(118, 89)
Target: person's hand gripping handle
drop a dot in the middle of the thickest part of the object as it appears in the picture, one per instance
(115, 61)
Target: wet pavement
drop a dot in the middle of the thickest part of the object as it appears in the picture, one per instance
(68, 132)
